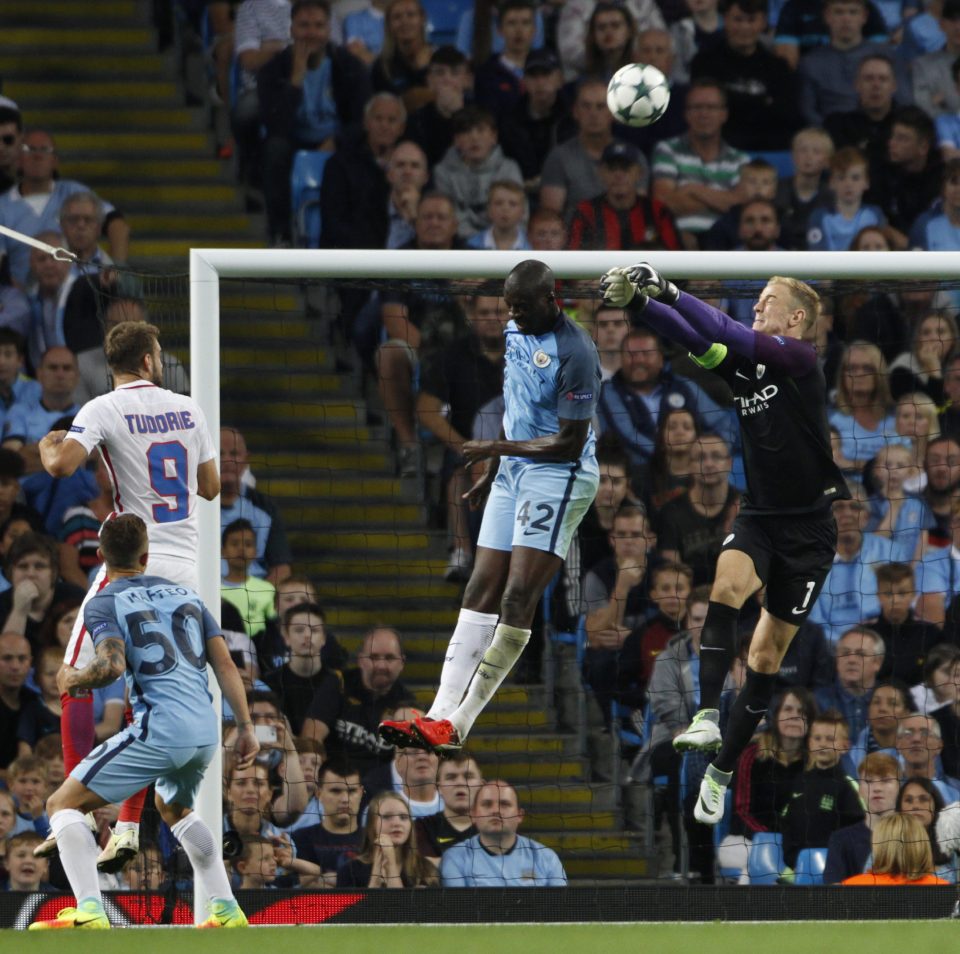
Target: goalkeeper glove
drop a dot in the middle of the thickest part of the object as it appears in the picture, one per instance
(645, 278)
(617, 289)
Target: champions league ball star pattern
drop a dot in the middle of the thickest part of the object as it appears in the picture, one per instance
(638, 95)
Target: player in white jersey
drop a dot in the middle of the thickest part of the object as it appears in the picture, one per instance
(160, 455)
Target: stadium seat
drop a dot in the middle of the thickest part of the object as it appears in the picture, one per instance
(781, 160)
(443, 19)
(810, 865)
(765, 861)
(305, 180)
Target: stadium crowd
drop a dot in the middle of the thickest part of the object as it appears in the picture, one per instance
(791, 125)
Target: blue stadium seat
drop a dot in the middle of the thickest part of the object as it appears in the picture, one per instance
(443, 19)
(810, 865)
(782, 161)
(305, 180)
(765, 860)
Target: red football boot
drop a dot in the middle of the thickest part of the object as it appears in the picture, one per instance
(402, 734)
(439, 735)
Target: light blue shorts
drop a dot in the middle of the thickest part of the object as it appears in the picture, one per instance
(124, 764)
(537, 505)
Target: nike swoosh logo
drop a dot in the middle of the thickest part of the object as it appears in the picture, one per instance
(739, 375)
(755, 711)
(704, 807)
(797, 610)
(445, 841)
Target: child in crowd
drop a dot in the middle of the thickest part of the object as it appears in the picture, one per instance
(145, 870)
(799, 194)
(252, 596)
(50, 751)
(475, 162)
(28, 782)
(831, 228)
(39, 721)
(24, 872)
(890, 701)
(312, 755)
(895, 514)
(257, 864)
(506, 209)
(8, 824)
(825, 797)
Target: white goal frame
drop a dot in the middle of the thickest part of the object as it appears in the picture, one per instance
(209, 265)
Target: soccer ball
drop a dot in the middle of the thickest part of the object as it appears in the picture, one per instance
(638, 95)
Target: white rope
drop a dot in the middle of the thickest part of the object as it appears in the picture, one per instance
(60, 254)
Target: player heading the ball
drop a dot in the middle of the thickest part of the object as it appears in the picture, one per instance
(784, 536)
(541, 476)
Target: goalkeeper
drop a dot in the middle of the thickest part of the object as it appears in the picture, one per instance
(785, 536)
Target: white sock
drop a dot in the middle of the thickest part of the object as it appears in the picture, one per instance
(198, 843)
(471, 637)
(121, 826)
(508, 643)
(78, 854)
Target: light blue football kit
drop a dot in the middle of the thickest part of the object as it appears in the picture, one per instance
(548, 378)
(174, 734)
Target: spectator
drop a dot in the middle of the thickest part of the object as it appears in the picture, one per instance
(863, 404)
(11, 139)
(24, 872)
(644, 390)
(682, 165)
(506, 211)
(611, 35)
(546, 232)
(801, 27)
(762, 90)
(145, 872)
(573, 27)
(934, 85)
(499, 80)
(692, 33)
(463, 377)
(257, 864)
(354, 193)
(826, 71)
(770, 768)
(238, 499)
(918, 423)
(458, 781)
(412, 774)
(942, 468)
(306, 690)
(388, 857)
(571, 169)
(921, 368)
(623, 216)
(497, 857)
(336, 839)
(832, 227)
(858, 656)
(53, 284)
(911, 176)
(811, 150)
(450, 82)
(901, 854)
(32, 567)
(758, 180)
(890, 701)
(948, 717)
(938, 687)
(11, 470)
(670, 586)
(33, 204)
(867, 126)
(655, 46)
(402, 65)
(691, 527)
(27, 782)
(312, 754)
(253, 597)
(919, 744)
(825, 797)
(538, 120)
(612, 493)
(848, 848)
(471, 166)
(417, 327)
(15, 697)
(371, 690)
(308, 93)
(908, 639)
(609, 328)
(407, 175)
(893, 513)
(27, 423)
(44, 719)
(935, 231)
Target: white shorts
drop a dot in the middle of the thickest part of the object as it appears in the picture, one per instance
(538, 505)
(80, 650)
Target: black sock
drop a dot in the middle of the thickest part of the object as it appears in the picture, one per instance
(748, 712)
(716, 652)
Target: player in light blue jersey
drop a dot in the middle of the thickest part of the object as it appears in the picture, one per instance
(159, 635)
(541, 477)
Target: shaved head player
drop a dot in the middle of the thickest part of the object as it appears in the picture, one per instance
(784, 537)
(158, 451)
(541, 477)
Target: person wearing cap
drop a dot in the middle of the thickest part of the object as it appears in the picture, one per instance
(623, 217)
(538, 120)
(450, 82)
(499, 82)
(933, 88)
(11, 138)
